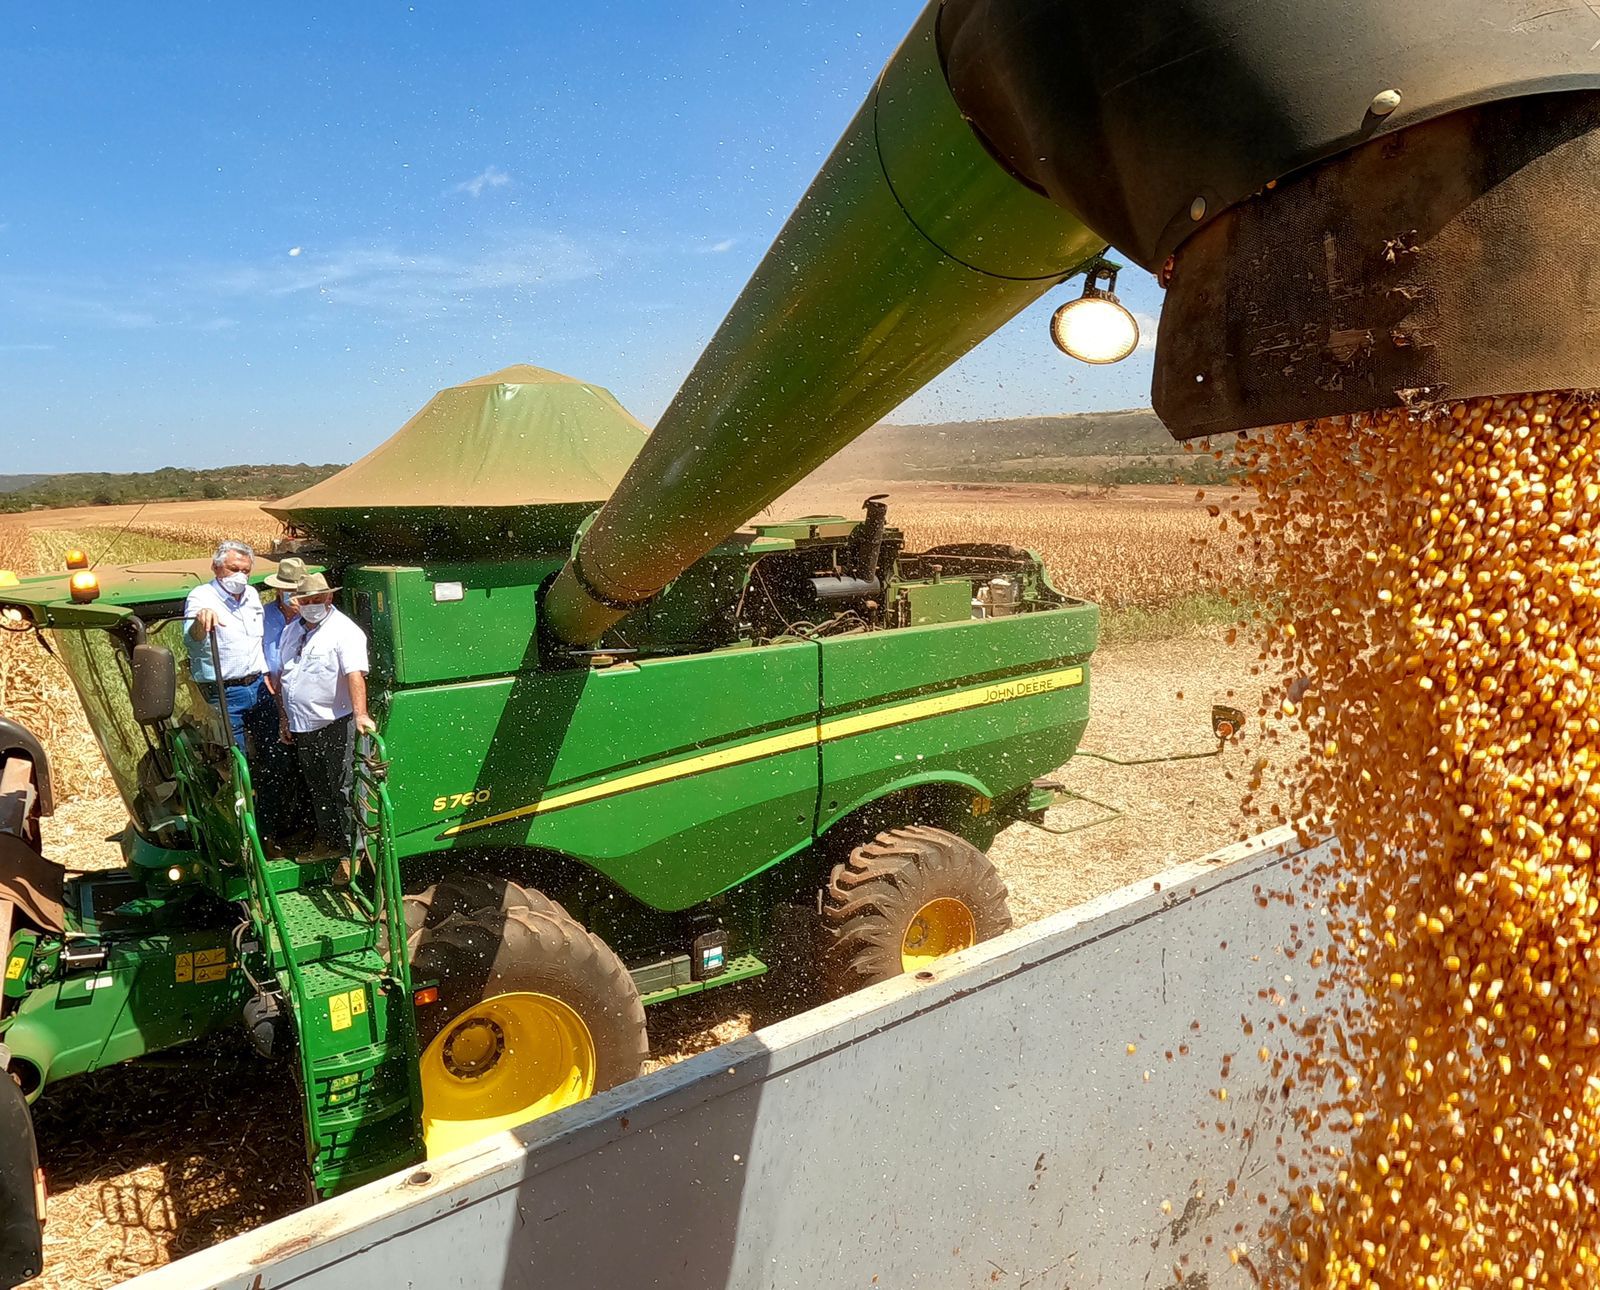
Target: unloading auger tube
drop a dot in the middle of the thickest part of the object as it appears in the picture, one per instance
(1354, 205)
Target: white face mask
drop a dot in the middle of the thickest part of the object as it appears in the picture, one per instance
(234, 583)
(314, 613)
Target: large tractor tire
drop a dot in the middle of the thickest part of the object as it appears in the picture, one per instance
(469, 893)
(534, 1013)
(21, 1190)
(910, 896)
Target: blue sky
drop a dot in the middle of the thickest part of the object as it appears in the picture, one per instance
(268, 233)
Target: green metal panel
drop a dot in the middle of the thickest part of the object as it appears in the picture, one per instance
(19, 958)
(674, 777)
(808, 527)
(993, 701)
(939, 602)
(153, 992)
(448, 622)
(338, 1012)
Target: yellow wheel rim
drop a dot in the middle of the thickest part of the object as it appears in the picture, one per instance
(503, 1062)
(940, 927)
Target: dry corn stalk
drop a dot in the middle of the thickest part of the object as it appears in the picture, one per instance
(1439, 640)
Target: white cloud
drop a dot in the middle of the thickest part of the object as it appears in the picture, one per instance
(295, 250)
(490, 177)
(389, 280)
(87, 302)
(1147, 328)
(384, 281)
(718, 248)
(24, 348)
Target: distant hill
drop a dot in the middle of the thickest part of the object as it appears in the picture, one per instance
(1127, 447)
(169, 484)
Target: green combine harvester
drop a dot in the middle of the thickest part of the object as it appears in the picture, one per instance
(551, 839)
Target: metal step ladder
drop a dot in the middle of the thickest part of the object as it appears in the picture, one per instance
(338, 950)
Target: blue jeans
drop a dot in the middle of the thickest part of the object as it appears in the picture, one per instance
(252, 710)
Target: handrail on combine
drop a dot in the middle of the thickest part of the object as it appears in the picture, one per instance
(256, 866)
(369, 800)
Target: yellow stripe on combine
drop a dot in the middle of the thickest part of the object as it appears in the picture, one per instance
(898, 714)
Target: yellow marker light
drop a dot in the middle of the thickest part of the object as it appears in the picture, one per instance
(1096, 328)
(84, 586)
(8, 579)
(77, 559)
(175, 874)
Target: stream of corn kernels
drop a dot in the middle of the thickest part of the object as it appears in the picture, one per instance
(1434, 589)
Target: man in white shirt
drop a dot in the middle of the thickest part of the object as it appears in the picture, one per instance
(322, 694)
(229, 609)
(278, 774)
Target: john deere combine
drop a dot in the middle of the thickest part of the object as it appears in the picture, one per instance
(551, 839)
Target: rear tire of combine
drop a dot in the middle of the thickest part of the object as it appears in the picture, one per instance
(534, 1014)
(470, 893)
(908, 897)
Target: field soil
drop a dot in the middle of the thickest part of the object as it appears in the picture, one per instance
(841, 496)
(219, 515)
(148, 1161)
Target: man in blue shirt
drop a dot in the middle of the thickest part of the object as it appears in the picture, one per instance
(228, 611)
(286, 581)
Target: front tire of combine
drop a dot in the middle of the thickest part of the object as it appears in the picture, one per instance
(534, 1014)
(910, 896)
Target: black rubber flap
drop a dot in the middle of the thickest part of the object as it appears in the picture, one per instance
(1459, 258)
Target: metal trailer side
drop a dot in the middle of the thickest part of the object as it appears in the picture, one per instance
(985, 1124)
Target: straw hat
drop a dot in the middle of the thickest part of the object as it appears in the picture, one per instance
(290, 574)
(314, 584)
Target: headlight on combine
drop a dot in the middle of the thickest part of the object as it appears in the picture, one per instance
(77, 559)
(84, 586)
(1096, 327)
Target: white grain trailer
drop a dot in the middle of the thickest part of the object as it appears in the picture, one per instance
(981, 1125)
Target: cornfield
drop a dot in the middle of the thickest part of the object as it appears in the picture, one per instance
(200, 539)
(1119, 555)
(34, 688)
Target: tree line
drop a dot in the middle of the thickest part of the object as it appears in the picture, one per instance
(169, 484)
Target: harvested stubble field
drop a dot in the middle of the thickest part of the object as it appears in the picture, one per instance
(149, 1161)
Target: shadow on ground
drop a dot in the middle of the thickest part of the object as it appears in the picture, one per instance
(149, 1161)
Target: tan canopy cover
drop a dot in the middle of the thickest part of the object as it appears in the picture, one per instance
(523, 450)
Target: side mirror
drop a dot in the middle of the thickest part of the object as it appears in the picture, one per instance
(155, 684)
